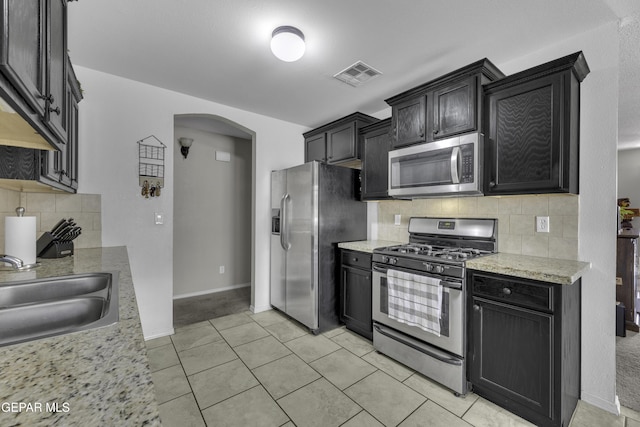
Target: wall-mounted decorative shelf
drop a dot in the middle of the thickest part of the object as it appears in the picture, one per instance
(151, 166)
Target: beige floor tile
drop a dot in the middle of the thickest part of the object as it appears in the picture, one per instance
(384, 397)
(206, 356)
(195, 337)
(285, 375)
(170, 383)
(441, 395)
(343, 368)
(354, 343)
(162, 357)
(217, 384)
(432, 415)
(286, 331)
(243, 334)
(158, 342)
(334, 332)
(181, 412)
(363, 419)
(395, 369)
(269, 317)
(587, 415)
(230, 321)
(310, 347)
(191, 326)
(252, 408)
(262, 351)
(486, 414)
(319, 404)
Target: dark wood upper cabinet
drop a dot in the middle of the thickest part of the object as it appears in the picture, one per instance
(22, 49)
(33, 64)
(375, 142)
(409, 121)
(56, 112)
(336, 142)
(447, 106)
(454, 108)
(533, 125)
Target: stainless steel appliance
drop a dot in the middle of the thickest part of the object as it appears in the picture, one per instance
(437, 249)
(313, 206)
(448, 167)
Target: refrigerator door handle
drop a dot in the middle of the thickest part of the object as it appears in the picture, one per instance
(284, 226)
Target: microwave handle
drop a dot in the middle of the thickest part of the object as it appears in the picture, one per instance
(455, 165)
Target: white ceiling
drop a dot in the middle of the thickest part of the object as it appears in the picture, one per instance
(219, 49)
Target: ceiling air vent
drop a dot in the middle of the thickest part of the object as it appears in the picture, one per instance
(357, 74)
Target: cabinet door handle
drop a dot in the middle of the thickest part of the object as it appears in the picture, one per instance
(355, 260)
(476, 307)
(48, 98)
(435, 131)
(506, 291)
(492, 184)
(55, 110)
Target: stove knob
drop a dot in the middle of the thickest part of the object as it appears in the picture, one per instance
(385, 259)
(439, 269)
(427, 266)
(393, 261)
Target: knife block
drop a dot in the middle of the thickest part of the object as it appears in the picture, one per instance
(48, 247)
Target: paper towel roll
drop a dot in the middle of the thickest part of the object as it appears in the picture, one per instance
(20, 238)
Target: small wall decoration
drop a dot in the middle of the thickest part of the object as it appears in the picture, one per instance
(151, 167)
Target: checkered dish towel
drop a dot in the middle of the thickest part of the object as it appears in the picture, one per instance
(415, 300)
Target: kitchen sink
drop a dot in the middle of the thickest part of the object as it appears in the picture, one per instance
(59, 305)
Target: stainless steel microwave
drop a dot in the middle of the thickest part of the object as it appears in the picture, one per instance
(448, 167)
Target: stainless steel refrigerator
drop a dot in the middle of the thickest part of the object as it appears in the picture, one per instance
(313, 207)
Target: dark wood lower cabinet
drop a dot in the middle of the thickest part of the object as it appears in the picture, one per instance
(524, 346)
(355, 292)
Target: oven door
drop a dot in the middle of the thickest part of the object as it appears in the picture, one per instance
(445, 167)
(452, 326)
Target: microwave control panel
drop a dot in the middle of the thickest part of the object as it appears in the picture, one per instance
(467, 156)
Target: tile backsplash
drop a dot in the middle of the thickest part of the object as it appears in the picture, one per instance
(516, 220)
(49, 208)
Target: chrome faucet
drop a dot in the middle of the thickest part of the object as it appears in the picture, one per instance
(15, 262)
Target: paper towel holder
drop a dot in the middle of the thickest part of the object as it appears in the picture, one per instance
(20, 213)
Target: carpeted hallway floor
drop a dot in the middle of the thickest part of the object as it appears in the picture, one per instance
(628, 370)
(204, 307)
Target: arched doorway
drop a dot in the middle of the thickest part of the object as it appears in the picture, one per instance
(213, 240)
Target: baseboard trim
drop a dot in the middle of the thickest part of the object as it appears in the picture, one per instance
(160, 334)
(613, 407)
(211, 291)
(260, 308)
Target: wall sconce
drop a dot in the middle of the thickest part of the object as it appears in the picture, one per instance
(185, 143)
(287, 43)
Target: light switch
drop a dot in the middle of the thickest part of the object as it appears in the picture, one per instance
(159, 218)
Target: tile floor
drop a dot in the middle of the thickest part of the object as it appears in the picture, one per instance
(265, 370)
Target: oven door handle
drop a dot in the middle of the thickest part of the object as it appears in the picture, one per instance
(451, 285)
(418, 346)
(379, 269)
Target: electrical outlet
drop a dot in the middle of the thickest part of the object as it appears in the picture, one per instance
(542, 224)
(397, 219)
(221, 269)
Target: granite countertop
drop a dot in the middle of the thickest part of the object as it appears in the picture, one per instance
(96, 377)
(367, 245)
(562, 272)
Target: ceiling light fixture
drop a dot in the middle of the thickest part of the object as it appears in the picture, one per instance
(287, 43)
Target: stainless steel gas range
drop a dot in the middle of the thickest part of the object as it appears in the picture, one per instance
(419, 295)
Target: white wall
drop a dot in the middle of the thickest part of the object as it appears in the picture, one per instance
(117, 112)
(629, 178)
(597, 226)
(212, 214)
